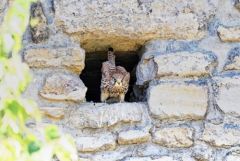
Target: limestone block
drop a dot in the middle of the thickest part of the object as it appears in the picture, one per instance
(70, 58)
(63, 87)
(176, 137)
(155, 65)
(164, 158)
(229, 34)
(133, 137)
(228, 93)
(233, 60)
(101, 115)
(126, 25)
(96, 143)
(176, 100)
(185, 64)
(232, 157)
(53, 113)
(226, 134)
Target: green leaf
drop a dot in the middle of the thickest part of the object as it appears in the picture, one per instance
(33, 147)
(51, 132)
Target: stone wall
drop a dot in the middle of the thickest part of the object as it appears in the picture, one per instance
(188, 72)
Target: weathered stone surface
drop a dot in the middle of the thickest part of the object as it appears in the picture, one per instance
(154, 65)
(70, 58)
(228, 93)
(232, 156)
(233, 60)
(105, 115)
(133, 137)
(237, 4)
(176, 137)
(164, 158)
(53, 113)
(125, 25)
(40, 31)
(229, 34)
(223, 135)
(63, 87)
(185, 64)
(175, 100)
(96, 143)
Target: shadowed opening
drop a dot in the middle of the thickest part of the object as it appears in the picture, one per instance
(91, 75)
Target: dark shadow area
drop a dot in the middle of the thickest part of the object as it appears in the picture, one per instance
(91, 75)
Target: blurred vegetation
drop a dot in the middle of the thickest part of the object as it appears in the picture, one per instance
(17, 141)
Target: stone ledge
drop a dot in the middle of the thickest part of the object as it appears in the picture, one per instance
(100, 115)
(178, 100)
(70, 58)
(126, 25)
(175, 137)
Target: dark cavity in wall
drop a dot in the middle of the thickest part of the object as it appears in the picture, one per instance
(91, 75)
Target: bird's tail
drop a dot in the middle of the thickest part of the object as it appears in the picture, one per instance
(111, 56)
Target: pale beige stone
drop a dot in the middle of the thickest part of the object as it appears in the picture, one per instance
(101, 115)
(226, 134)
(184, 64)
(70, 58)
(133, 137)
(102, 142)
(53, 113)
(166, 60)
(173, 100)
(228, 94)
(63, 87)
(229, 34)
(175, 137)
(232, 158)
(126, 25)
(164, 158)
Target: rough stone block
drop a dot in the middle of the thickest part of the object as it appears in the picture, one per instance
(101, 115)
(102, 142)
(126, 25)
(63, 87)
(223, 135)
(155, 65)
(185, 64)
(176, 137)
(164, 158)
(53, 113)
(229, 34)
(133, 137)
(70, 58)
(228, 93)
(233, 60)
(173, 100)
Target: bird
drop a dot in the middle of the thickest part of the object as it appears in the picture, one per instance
(115, 79)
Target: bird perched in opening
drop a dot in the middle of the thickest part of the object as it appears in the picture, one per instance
(115, 79)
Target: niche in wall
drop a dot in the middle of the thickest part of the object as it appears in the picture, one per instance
(91, 75)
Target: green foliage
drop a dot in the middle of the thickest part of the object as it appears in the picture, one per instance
(17, 141)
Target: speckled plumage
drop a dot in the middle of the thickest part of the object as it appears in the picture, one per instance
(115, 79)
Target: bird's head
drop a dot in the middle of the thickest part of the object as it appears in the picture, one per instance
(117, 80)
